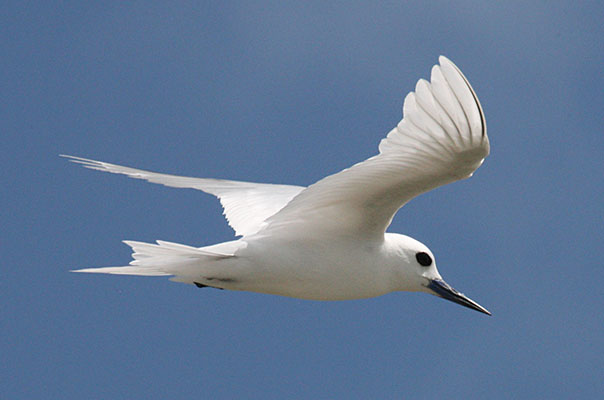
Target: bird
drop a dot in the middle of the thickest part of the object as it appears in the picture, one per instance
(328, 241)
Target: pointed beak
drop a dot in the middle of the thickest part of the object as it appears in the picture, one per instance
(442, 289)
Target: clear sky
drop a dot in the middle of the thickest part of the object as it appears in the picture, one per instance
(288, 92)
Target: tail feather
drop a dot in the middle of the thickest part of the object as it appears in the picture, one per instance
(124, 271)
(161, 259)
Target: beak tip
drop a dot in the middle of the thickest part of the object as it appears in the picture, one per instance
(442, 289)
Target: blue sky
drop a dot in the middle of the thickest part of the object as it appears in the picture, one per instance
(288, 92)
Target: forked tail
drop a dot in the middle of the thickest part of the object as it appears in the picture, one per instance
(161, 259)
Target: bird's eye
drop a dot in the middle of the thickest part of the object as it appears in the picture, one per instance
(423, 259)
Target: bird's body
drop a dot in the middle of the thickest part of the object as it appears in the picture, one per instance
(328, 241)
(310, 268)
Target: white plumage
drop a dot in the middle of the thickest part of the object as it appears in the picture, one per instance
(328, 241)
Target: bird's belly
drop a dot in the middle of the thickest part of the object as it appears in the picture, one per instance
(313, 273)
(315, 290)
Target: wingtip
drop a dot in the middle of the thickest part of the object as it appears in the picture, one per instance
(68, 157)
(87, 163)
(76, 159)
(445, 60)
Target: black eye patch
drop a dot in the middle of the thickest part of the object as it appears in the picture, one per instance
(423, 259)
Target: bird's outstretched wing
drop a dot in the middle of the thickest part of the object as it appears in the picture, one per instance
(246, 205)
(442, 138)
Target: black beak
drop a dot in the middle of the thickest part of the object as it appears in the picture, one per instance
(442, 289)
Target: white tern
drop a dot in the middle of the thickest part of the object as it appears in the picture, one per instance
(328, 241)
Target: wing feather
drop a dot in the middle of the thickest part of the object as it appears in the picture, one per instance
(441, 139)
(246, 205)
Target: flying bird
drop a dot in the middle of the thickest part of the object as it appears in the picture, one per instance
(328, 241)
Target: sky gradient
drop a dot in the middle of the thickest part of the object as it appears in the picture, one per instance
(288, 92)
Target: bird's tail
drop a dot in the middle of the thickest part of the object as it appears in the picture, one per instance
(161, 259)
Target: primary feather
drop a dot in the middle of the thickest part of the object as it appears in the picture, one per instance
(246, 205)
(441, 139)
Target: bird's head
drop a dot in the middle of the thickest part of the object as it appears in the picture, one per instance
(417, 266)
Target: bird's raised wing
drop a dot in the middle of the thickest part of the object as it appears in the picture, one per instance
(442, 138)
(246, 205)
